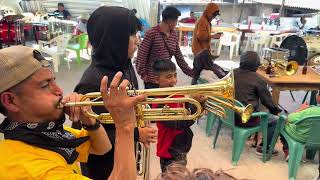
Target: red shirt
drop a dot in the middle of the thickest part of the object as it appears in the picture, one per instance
(166, 135)
(190, 20)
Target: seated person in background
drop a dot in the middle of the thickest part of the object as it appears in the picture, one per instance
(251, 89)
(62, 12)
(205, 68)
(37, 145)
(82, 25)
(192, 19)
(174, 137)
(299, 131)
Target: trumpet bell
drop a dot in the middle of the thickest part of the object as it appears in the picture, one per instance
(281, 68)
(291, 68)
(246, 113)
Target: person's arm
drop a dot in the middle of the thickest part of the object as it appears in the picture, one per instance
(265, 97)
(68, 15)
(121, 108)
(143, 55)
(202, 32)
(297, 116)
(124, 158)
(181, 62)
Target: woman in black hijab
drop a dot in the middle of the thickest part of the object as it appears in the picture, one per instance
(112, 34)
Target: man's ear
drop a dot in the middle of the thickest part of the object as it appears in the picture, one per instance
(8, 101)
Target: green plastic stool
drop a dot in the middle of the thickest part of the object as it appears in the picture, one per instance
(82, 44)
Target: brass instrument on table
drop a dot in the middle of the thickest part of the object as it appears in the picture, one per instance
(220, 95)
(280, 68)
(276, 62)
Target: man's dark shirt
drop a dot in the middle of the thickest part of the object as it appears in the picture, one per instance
(65, 13)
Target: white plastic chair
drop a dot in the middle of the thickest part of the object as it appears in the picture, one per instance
(249, 37)
(276, 40)
(229, 39)
(58, 51)
(260, 39)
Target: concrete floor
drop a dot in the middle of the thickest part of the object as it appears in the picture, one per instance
(202, 154)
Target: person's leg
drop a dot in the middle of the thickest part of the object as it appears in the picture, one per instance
(285, 147)
(271, 128)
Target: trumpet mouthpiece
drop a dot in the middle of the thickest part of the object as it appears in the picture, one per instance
(60, 106)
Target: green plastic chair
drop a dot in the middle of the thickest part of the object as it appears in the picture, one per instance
(296, 148)
(82, 44)
(240, 135)
(211, 118)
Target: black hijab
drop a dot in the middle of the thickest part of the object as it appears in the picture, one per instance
(109, 29)
(204, 61)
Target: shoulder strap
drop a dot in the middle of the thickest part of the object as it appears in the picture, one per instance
(165, 43)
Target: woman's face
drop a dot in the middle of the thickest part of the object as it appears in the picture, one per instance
(133, 45)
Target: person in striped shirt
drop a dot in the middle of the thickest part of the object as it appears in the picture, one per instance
(160, 42)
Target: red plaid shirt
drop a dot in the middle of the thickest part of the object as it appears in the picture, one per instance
(153, 47)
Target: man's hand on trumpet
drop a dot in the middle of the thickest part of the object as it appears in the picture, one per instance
(77, 113)
(118, 103)
(147, 135)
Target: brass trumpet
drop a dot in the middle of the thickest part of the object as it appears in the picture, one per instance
(219, 95)
(281, 68)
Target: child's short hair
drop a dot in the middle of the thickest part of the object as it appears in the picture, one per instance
(163, 65)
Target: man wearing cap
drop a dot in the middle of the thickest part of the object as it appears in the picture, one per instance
(37, 145)
(202, 33)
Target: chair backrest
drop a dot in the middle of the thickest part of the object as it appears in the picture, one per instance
(226, 38)
(313, 139)
(62, 42)
(262, 37)
(83, 40)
